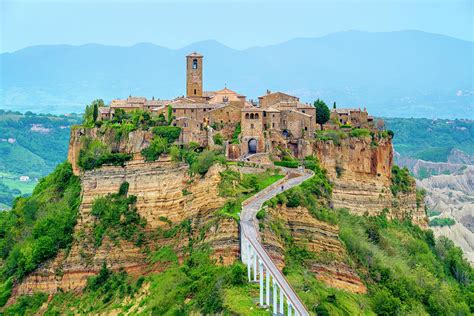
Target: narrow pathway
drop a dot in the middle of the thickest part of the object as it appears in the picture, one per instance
(250, 232)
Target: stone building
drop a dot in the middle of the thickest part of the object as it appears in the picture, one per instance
(353, 117)
(277, 121)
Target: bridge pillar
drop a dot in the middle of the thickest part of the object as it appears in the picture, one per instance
(267, 292)
(249, 258)
(255, 265)
(275, 290)
(261, 281)
(289, 308)
(281, 303)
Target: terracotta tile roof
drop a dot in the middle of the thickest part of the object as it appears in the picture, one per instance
(195, 106)
(194, 54)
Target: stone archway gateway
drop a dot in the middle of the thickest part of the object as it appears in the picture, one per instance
(252, 146)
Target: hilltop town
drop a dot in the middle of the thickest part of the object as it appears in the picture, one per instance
(247, 128)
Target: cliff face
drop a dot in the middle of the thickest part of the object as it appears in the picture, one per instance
(131, 144)
(166, 195)
(361, 175)
(320, 238)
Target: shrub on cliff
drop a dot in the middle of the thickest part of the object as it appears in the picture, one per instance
(401, 180)
(117, 217)
(94, 154)
(39, 226)
(170, 133)
(158, 146)
(359, 132)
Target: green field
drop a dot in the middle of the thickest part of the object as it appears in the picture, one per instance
(33, 153)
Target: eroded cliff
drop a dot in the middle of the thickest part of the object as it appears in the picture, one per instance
(328, 259)
(166, 196)
(360, 170)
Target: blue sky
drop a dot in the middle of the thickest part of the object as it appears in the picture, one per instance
(238, 24)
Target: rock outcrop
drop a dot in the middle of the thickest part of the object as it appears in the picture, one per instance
(361, 173)
(166, 195)
(320, 238)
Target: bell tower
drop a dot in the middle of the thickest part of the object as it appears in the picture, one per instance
(194, 75)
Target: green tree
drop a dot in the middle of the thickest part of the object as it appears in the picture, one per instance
(170, 114)
(322, 112)
(95, 112)
(334, 105)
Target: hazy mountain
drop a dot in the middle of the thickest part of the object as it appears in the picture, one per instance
(406, 73)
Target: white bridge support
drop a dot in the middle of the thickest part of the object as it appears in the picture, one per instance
(272, 293)
(275, 290)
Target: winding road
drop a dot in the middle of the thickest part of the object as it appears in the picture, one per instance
(250, 232)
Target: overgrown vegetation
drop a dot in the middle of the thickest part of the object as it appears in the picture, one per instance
(401, 181)
(406, 270)
(237, 131)
(198, 285)
(117, 217)
(314, 193)
(441, 222)
(94, 154)
(39, 226)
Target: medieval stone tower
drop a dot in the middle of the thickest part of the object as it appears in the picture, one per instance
(194, 75)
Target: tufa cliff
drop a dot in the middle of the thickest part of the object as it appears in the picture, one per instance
(360, 171)
(165, 196)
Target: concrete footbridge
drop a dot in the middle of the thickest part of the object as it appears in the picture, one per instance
(275, 291)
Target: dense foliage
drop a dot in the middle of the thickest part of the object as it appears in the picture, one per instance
(117, 217)
(442, 221)
(39, 226)
(401, 181)
(198, 285)
(431, 140)
(94, 154)
(322, 112)
(170, 133)
(313, 193)
(404, 268)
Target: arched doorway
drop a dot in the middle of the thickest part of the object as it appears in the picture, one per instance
(252, 146)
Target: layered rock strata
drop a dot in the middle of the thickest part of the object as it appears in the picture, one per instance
(317, 237)
(166, 195)
(361, 173)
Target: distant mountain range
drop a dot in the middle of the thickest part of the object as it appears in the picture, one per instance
(404, 74)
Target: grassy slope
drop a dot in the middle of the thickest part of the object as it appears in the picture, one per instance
(404, 268)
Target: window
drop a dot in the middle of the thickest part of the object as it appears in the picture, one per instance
(264, 113)
(304, 111)
(305, 128)
(192, 110)
(256, 116)
(251, 125)
(273, 125)
(174, 110)
(247, 116)
(194, 91)
(195, 66)
(252, 116)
